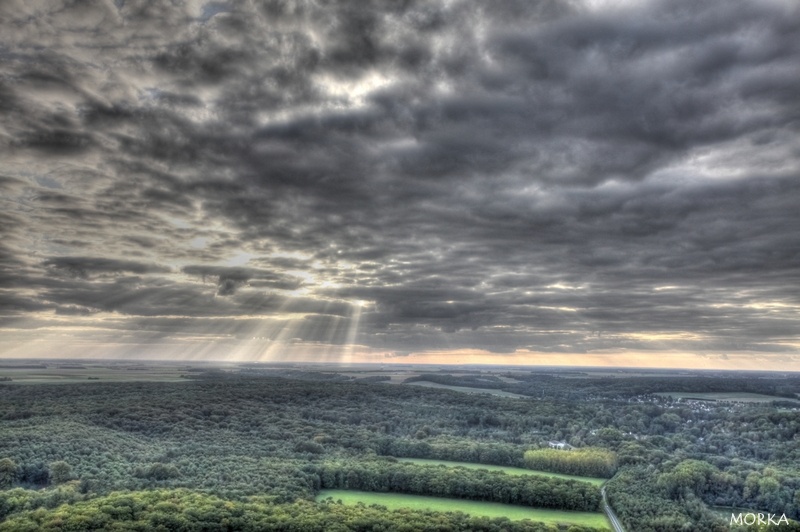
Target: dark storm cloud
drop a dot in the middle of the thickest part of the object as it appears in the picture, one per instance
(229, 279)
(549, 175)
(84, 266)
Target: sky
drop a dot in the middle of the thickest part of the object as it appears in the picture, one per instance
(571, 182)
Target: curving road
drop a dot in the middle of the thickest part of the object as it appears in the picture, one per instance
(610, 513)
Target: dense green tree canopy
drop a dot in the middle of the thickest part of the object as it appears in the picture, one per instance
(234, 437)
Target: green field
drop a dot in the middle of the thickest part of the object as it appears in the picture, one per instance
(394, 501)
(466, 389)
(742, 397)
(505, 469)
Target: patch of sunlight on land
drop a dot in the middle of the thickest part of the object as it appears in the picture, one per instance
(506, 469)
(394, 501)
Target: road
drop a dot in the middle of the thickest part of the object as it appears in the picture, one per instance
(610, 513)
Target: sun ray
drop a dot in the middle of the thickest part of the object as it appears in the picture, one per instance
(352, 332)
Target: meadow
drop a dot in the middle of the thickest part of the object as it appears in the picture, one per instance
(394, 501)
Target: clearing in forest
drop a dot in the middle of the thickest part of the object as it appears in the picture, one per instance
(393, 501)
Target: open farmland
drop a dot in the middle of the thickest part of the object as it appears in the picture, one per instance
(91, 372)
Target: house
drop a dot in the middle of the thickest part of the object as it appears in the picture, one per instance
(560, 445)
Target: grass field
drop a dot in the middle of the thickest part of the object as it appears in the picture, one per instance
(742, 397)
(465, 389)
(393, 501)
(505, 469)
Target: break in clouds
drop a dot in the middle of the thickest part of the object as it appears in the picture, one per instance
(266, 180)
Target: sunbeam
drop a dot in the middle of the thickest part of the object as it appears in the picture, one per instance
(352, 332)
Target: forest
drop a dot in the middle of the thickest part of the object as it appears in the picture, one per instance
(253, 450)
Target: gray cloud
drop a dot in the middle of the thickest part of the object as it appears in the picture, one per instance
(84, 266)
(229, 279)
(535, 175)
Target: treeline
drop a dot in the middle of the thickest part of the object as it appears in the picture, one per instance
(480, 485)
(783, 386)
(504, 454)
(188, 511)
(588, 461)
(555, 386)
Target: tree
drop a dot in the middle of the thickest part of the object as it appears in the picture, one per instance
(8, 473)
(159, 471)
(60, 472)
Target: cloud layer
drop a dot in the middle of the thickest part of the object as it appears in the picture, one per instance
(256, 179)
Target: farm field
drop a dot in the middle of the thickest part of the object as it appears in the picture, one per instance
(394, 501)
(742, 397)
(74, 373)
(465, 389)
(506, 469)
